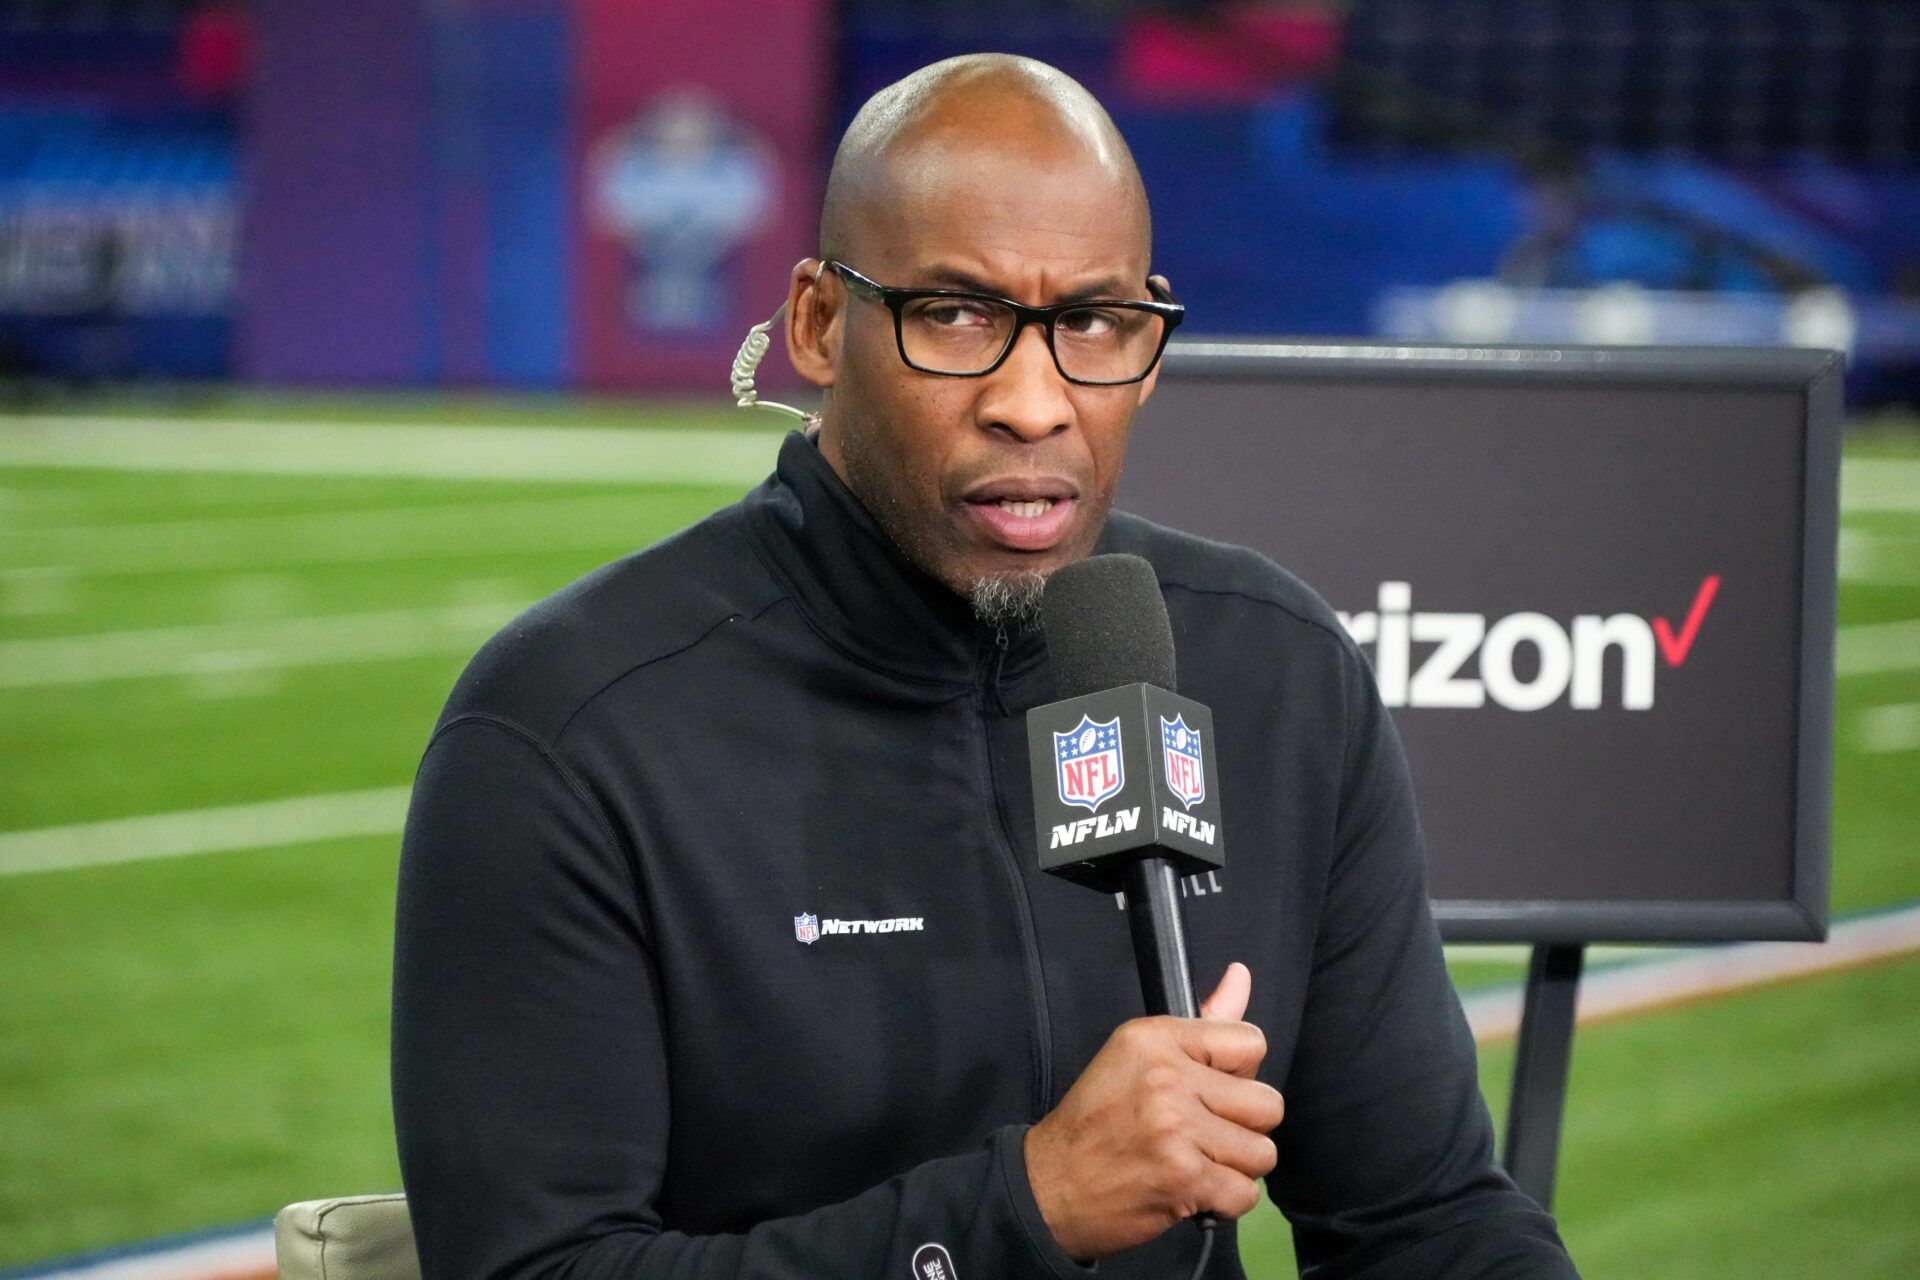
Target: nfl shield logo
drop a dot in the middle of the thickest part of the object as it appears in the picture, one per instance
(806, 928)
(1180, 745)
(1086, 760)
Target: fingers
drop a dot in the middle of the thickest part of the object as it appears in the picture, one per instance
(1228, 1003)
(1230, 1193)
(1242, 1150)
(1168, 1120)
(1251, 1105)
(1236, 1048)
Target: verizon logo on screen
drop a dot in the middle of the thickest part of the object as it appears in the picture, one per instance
(1523, 661)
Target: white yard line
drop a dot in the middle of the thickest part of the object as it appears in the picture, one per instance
(267, 644)
(1701, 974)
(1885, 560)
(1890, 729)
(265, 825)
(335, 537)
(1876, 648)
(593, 455)
(1880, 484)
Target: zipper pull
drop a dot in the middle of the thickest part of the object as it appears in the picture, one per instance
(1001, 643)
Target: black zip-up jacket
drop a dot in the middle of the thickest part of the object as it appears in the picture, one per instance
(614, 1056)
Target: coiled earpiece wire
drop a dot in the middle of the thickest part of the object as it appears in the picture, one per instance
(752, 351)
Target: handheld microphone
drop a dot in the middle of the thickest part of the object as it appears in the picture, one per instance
(1126, 792)
(1113, 758)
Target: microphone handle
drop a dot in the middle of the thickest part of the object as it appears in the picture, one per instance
(1159, 937)
(1160, 953)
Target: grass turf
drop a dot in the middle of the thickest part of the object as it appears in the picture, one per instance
(1774, 1133)
(199, 1041)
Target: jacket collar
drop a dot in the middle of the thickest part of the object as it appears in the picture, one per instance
(854, 586)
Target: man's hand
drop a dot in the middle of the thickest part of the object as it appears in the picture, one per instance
(1167, 1121)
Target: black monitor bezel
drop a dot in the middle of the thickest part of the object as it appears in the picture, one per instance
(1813, 374)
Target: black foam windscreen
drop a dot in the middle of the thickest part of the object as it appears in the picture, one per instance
(1106, 625)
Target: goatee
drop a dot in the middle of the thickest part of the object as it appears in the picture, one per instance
(1010, 600)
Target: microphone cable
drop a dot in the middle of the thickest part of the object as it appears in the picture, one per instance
(1207, 1225)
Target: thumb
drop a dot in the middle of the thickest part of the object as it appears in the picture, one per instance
(1228, 1003)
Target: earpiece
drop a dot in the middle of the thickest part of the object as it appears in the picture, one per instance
(752, 351)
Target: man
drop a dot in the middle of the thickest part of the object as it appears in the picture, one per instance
(722, 948)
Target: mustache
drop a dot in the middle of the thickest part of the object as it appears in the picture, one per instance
(1025, 466)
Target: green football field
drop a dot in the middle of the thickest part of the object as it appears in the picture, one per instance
(199, 1038)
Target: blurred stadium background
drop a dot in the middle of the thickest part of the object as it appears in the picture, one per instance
(332, 335)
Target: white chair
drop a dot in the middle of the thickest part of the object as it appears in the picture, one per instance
(347, 1238)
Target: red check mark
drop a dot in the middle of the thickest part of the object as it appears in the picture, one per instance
(1674, 648)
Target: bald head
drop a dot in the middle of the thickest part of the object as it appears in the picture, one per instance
(986, 175)
(924, 136)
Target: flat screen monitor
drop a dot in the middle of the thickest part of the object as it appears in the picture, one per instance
(1595, 585)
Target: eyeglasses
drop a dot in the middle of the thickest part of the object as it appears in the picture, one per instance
(965, 335)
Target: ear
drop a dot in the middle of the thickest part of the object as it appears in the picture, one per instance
(814, 313)
(1148, 383)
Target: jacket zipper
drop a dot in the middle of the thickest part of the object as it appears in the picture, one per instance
(1023, 905)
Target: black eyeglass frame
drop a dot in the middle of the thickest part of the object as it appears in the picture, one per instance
(896, 300)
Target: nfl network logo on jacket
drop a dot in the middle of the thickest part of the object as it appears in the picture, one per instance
(1087, 762)
(806, 928)
(1180, 746)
